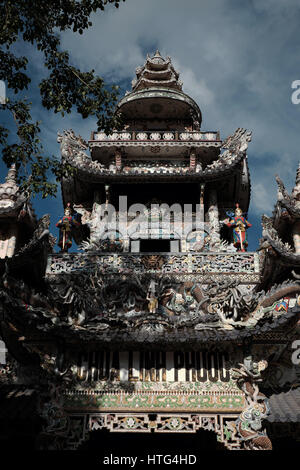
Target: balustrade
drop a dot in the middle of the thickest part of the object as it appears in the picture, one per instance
(156, 136)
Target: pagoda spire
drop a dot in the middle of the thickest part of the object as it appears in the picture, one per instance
(9, 190)
(157, 72)
(11, 174)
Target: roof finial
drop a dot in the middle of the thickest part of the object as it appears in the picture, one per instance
(156, 72)
(12, 174)
(297, 183)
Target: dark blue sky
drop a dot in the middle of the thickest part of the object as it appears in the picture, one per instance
(236, 59)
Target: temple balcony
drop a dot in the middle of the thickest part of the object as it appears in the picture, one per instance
(156, 143)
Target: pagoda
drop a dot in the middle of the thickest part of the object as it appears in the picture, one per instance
(161, 323)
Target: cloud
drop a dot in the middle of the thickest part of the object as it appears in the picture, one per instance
(194, 86)
(263, 198)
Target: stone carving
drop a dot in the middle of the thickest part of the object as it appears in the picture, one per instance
(70, 142)
(280, 244)
(56, 421)
(271, 235)
(153, 262)
(248, 427)
(238, 141)
(290, 209)
(90, 303)
(290, 202)
(274, 248)
(229, 300)
(82, 424)
(109, 245)
(40, 233)
(194, 263)
(180, 302)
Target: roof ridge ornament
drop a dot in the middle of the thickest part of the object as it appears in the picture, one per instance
(297, 182)
(156, 72)
(12, 174)
(12, 198)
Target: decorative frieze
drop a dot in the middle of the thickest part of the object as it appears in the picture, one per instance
(244, 264)
(81, 424)
(154, 401)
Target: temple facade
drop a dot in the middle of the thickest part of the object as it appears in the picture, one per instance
(161, 321)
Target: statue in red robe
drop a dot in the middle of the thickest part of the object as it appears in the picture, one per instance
(65, 226)
(239, 225)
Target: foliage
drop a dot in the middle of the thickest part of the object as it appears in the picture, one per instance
(66, 87)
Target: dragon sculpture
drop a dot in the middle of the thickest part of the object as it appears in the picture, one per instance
(248, 428)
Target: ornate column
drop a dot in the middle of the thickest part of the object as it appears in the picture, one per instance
(12, 239)
(8, 239)
(201, 201)
(192, 160)
(118, 159)
(3, 246)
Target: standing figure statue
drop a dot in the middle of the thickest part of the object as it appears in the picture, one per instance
(240, 225)
(152, 298)
(65, 226)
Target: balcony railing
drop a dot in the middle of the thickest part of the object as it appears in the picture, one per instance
(157, 136)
